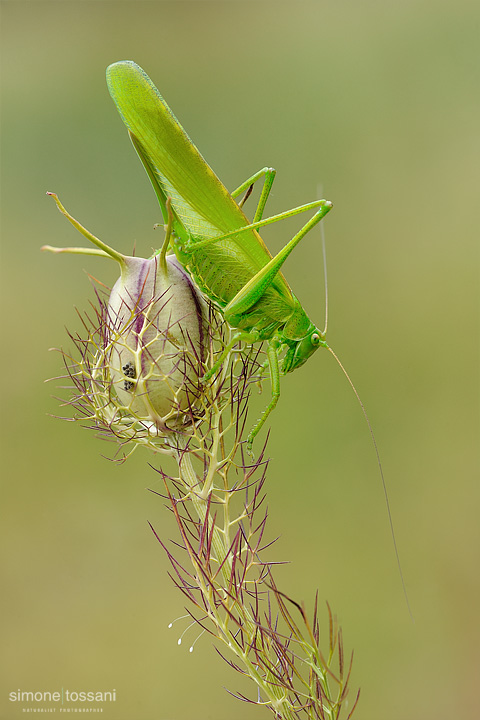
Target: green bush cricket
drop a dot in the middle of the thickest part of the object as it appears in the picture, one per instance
(211, 236)
(216, 243)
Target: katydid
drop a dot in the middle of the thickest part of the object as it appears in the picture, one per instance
(212, 237)
(216, 243)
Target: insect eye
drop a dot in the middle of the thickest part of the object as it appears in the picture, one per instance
(315, 339)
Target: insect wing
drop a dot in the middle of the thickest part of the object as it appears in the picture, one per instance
(200, 201)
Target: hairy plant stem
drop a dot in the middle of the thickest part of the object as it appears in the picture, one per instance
(221, 555)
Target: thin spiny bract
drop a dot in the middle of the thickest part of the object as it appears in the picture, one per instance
(217, 497)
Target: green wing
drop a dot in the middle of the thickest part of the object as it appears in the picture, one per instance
(177, 169)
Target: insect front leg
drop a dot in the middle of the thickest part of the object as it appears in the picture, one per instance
(272, 353)
(269, 176)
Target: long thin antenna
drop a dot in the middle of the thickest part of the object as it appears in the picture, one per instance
(384, 484)
(325, 277)
(324, 254)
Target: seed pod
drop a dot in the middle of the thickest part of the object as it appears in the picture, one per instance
(156, 336)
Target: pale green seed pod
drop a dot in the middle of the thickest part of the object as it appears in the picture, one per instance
(157, 338)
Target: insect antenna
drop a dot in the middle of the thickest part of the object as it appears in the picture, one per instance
(324, 255)
(384, 484)
(325, 275)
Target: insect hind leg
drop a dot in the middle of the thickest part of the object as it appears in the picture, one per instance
(268, 175)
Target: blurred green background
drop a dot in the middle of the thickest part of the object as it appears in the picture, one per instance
(377, 102)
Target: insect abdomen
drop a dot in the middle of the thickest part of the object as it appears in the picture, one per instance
(219, 274)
